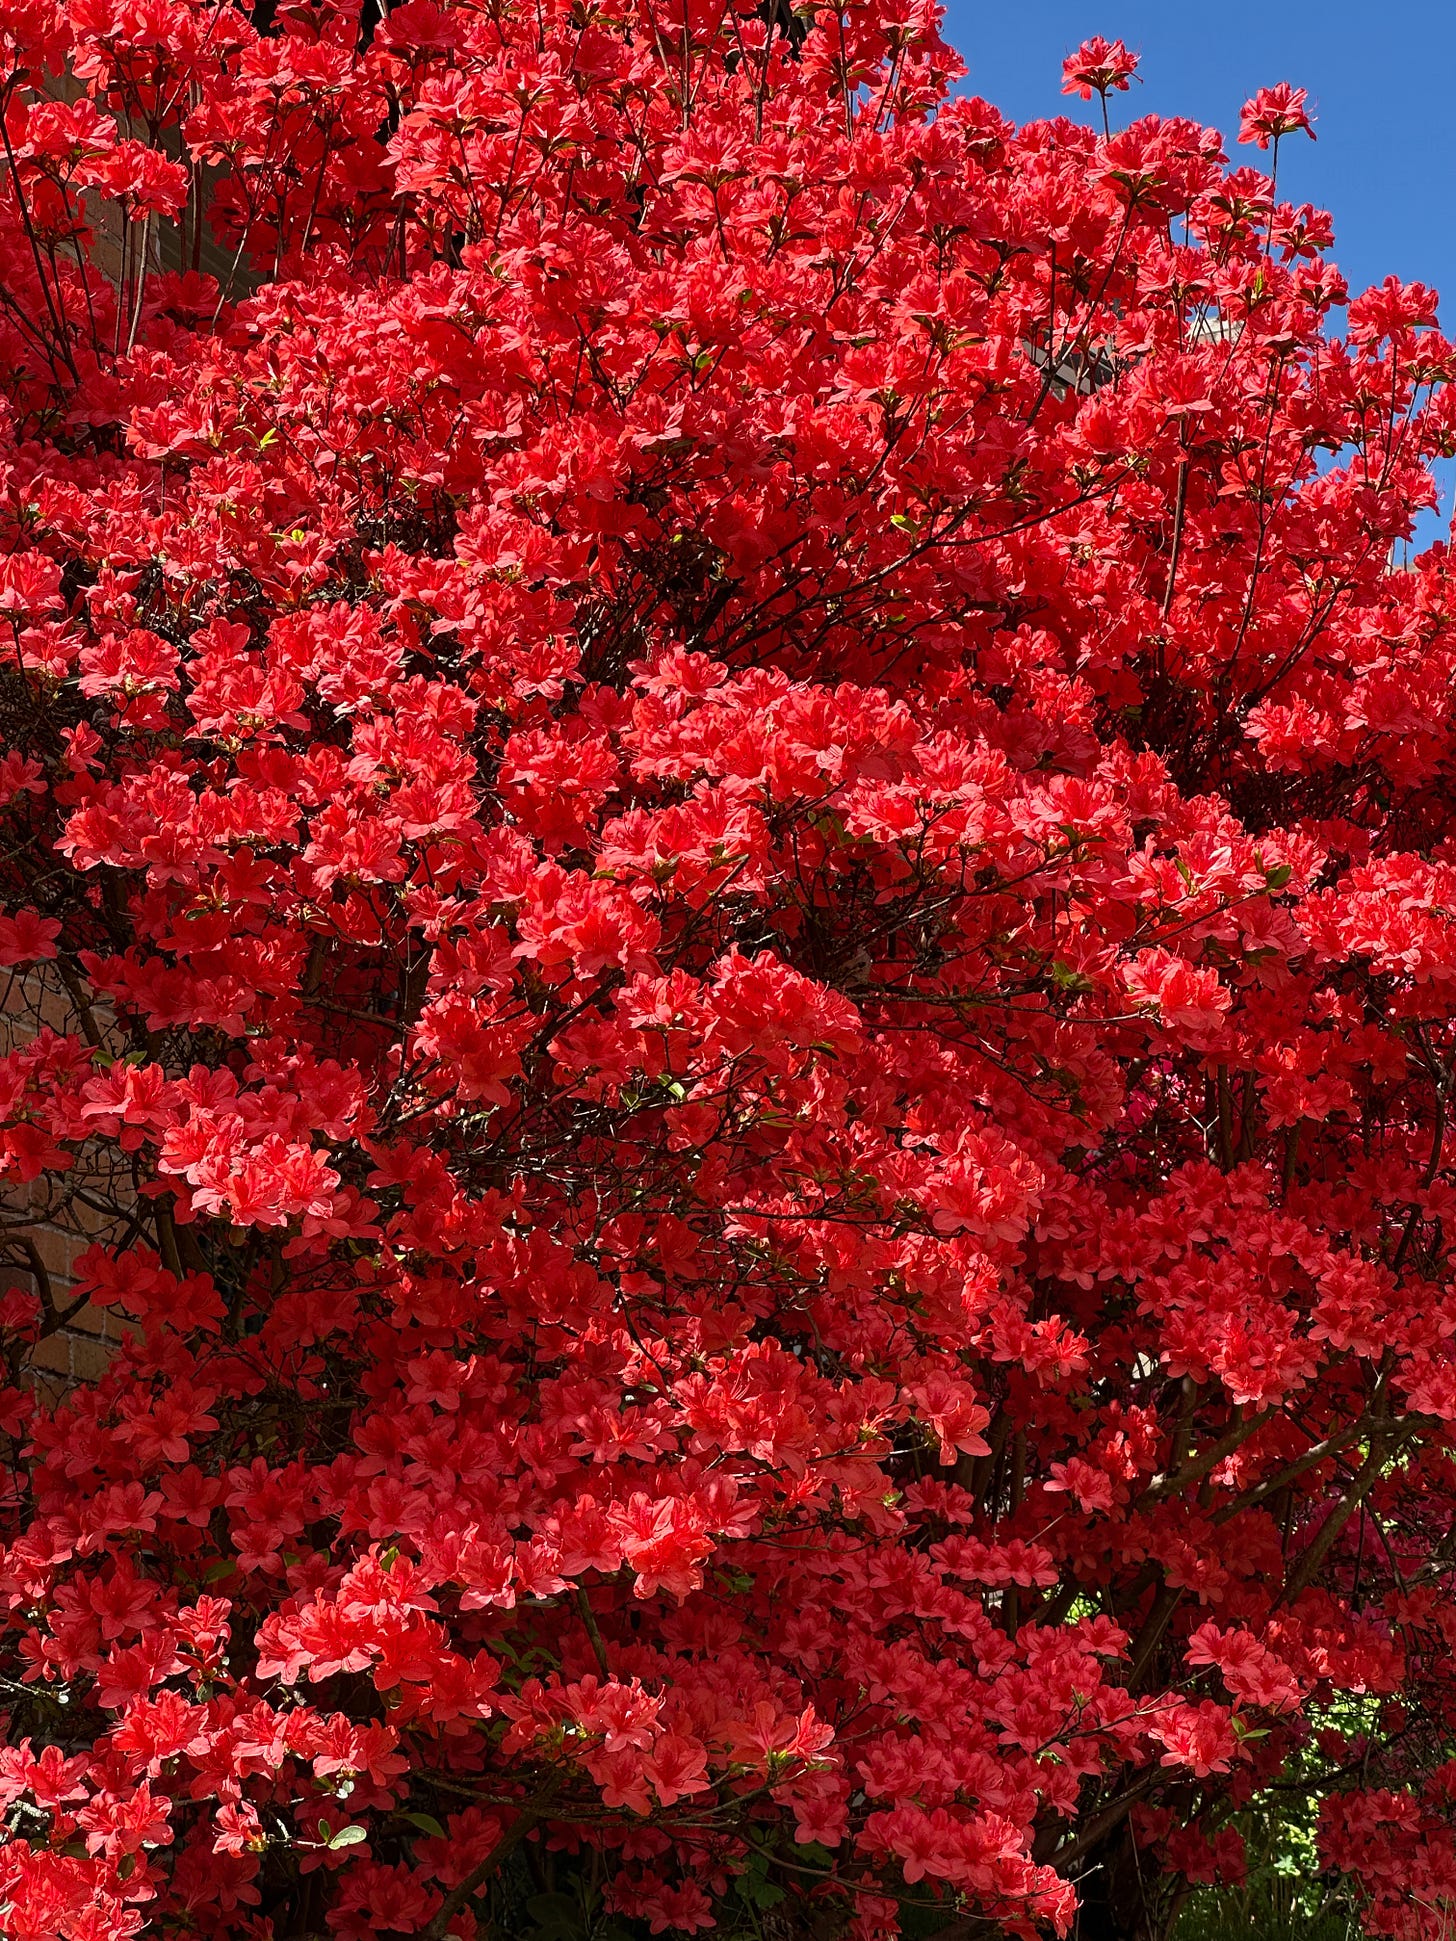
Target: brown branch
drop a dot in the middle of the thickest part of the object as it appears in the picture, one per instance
(1206, 1460)
(593, 1630)
(1179, 508)
(1317, 1453)
(1148, 1639)
(529, 1817)
(1314, 1557)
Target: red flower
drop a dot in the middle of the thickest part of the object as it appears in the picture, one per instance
(728, 931)
(1274, 112)
(1099, 66)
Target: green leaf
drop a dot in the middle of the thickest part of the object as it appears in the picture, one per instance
(348, 1836)
(552, 1907)
(1276, 878)
(558, 1917)
(427, 1823)
(758, 1892)
(1067, 979)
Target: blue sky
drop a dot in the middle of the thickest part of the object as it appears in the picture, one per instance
(1380, 78)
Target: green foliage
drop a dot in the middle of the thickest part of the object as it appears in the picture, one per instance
(1270, 1907)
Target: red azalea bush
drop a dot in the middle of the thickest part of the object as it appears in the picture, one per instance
(730, 908)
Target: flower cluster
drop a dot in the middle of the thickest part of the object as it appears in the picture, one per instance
(729, 916)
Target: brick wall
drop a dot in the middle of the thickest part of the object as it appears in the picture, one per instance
(46, 1224)
(170, 246)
